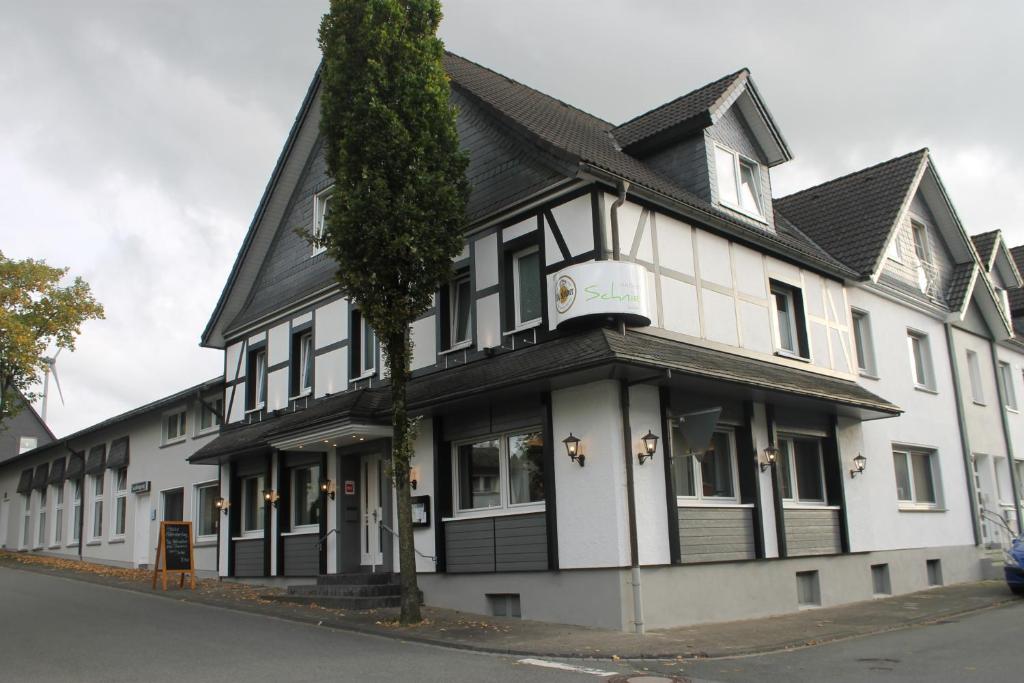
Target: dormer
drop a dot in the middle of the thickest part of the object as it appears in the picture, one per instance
(997, 264)
(718, 142)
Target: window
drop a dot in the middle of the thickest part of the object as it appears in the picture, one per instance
(1006, 379)
(739, 182)
(211, 410)
(460, 311)
(206, 511)
(321, 203)
(41, 530)
(252, 504)
(26, 529)
(364, 351)
(974, 370)
(256, 386)
(893, 252)
(174, 505)
(97, 506)
(76, 518)
(58, 514)
(500, 472)
(921, 251)
(120, 501)
(862, 340)
(526, 277)
(175, 425)
(915, 479)
(920, 360)
(710, 476)
(791, 336)
(1004, 301)
(305, 484)
(305, 363)
(27, 443)
(801, 469)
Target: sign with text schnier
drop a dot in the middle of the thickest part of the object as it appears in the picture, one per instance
(602, 288)
(174, 553)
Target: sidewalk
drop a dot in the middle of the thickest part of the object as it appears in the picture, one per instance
(520, 637)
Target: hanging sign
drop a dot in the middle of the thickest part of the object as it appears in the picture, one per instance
(602, 288)
(174, 553)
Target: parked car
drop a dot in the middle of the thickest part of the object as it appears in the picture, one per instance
(1014, 567)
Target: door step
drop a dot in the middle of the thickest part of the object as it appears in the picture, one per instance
(353, 591)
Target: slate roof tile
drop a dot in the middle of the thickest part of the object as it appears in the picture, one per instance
(959, 285)
(985, 244)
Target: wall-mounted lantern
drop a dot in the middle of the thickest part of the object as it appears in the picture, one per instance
(414, 477)
(572, 448)
(271, 496)
(327, 488)
(222, 504)
(771, 457)
(650, 447)
(859, 463)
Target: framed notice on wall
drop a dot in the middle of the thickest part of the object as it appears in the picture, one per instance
(420, 510)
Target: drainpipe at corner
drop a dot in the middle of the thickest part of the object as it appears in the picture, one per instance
(1010, 462)
(634, 553)
(614, 213)
(965, 442)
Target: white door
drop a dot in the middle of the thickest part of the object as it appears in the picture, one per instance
(370, 507)
(5, 519)
(142, 522)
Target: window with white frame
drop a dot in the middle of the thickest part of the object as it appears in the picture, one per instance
(257, 382)
(305, 363)
(915, 476)
(526, 279)
(120, 501)
(894, 252)
(58, 514)
(305, 495)
(363, 347)
(206, 511)
(97, 506)
(41, 529)
(739, 182)
(321, 206)
(802, 469)
(26, 526)
(1006, 379)
(253, 504)
(710, 477)
(790, 334)
(211, 411)
(76, 507)
(863, 342)
(460, 311)
(974, 373)
(175, 426)
(920, 238)
(505, 471)
(920, 359)
(1004, 488)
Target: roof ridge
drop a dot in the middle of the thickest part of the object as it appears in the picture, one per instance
(852, 174)
(727, 77)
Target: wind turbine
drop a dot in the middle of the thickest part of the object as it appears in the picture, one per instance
(51, 366)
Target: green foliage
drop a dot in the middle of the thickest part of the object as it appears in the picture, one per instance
(397, 209)
(36, 312)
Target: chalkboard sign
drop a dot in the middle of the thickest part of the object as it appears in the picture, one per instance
(174, 553)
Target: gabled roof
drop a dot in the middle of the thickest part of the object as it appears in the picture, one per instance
(1017, 295)
(961, 283)
(852, 216)
(985, 243)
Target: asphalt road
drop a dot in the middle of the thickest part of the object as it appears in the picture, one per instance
(56, 629)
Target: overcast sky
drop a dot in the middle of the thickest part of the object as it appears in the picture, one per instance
(137, 137)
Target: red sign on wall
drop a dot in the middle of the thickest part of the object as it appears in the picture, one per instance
(350, 487)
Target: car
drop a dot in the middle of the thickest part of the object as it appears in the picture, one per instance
(1013, 569)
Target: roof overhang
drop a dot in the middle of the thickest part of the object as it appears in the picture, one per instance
(751, 106)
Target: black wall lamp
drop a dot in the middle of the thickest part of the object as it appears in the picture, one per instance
(771, 457)
(222, 504)
(271, 496)
(572, 447)
(650, 447)
(859, 463)
(327, 488)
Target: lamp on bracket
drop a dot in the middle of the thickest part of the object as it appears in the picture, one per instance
(572, 448)
(771, 457)
(859, 463)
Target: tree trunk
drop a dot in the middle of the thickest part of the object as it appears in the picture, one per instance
(399, 351)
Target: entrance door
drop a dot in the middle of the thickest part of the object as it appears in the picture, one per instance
(142, 529)
(5, 519)
(372, 512)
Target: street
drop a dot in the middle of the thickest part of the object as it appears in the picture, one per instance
(57, 629)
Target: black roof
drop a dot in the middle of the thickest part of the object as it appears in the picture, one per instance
(959, 285)
(589, 350)
(1017, 295)
(985, 244)
(852, 216)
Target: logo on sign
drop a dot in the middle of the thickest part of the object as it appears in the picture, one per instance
(565, 293)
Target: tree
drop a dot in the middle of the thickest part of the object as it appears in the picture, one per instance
(398, 205)
(36, 312)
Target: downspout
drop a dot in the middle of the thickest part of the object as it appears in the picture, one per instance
(965, 442)
(1011, 463)
(616, 255)
(634, 553)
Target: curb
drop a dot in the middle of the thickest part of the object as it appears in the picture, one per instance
(406, 636)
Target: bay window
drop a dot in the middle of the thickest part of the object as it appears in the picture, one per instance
(710, 476)
(505, 471)
(801, 469)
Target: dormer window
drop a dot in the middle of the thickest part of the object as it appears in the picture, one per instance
(739, 182)
(321, 204)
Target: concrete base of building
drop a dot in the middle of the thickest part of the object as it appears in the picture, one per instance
(694, 594)
(271, 581)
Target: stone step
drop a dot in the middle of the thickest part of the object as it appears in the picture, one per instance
(358, 579)
(339, 602)
(348, 590)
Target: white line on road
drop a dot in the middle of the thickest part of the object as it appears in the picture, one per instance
(567, 667)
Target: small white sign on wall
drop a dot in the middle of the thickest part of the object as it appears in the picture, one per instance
(602, 288)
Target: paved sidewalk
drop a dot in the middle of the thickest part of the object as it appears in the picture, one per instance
(521, 637)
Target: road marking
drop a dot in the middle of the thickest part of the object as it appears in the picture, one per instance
(568, 667)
